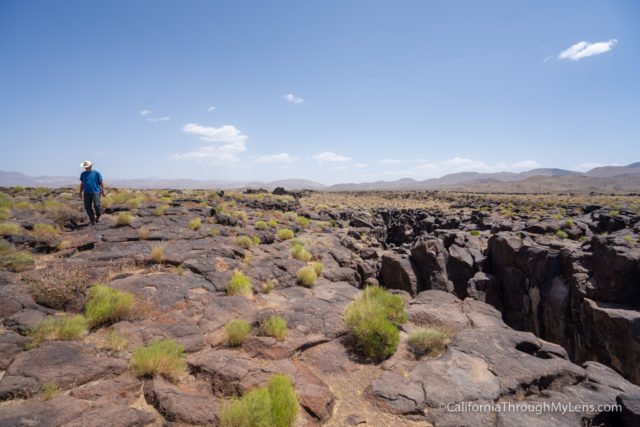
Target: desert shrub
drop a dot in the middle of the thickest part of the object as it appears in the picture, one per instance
(133, 203)
(427, 341)
(58, 286)
(214, 232)
(160, 210)
(267, 286)
(291, 216)
(10, 228)
(561, 234)
(244, 241)
(45, 232)
(17, 261)
(303, 222)
(255, 240)
(272, 223)
(307, 276)
(372, 320)
(143, 232)
(239, 284)
(236, 331)
(157, 254)
(116, 341)
(261, 225)
(107, 305)
(5, 214)
(284, 402)
(275, 405)
(318, 267)
(569, 222)
(241, 215)
(5, 247)
(285, 234)
(628, 239)
(49, 391)
(614, 213)
(195, 224)
(299, 252)
(64, 328)
(274, 326)
(474, 232)
(6, 201)
(164, 358)
(123, 218)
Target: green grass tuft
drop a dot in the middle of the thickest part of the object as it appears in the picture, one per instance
(318, 267)
(275, 405)
(107, 305)
(561, 234)
(285, 234)
(49, 391)
(236, 331)
(244, 241)
(372, 320)
(274, 326)
(300, 253)
(307, 276)
(164, 358)
(239, 285)
(123, 219)
(63, 328)
(10, 228)
(17, 261)
(261, 225)
(195, 224)
(428, 341)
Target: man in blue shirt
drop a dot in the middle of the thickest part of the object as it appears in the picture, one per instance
(91, 188)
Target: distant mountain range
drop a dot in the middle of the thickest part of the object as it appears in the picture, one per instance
(606, 178)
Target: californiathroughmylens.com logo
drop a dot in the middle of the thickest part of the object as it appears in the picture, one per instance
(537, 408)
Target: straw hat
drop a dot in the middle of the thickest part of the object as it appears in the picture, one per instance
(86, 164)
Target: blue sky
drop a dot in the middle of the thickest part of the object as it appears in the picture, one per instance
(333, 91)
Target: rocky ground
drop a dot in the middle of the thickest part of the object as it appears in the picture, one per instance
(540, 296)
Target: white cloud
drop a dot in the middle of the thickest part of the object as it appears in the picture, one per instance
(360, 165)
(210, 109)
(158, 119)
(587, 166)
(145, 112)
(584, 49)
(275, 158)
(330, 157)
(229, 141)
(293, 99)
(225, 133)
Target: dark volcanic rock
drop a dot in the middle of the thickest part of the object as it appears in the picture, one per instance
(430, 258)
(64, 364)
(175, 404)
(396, 272)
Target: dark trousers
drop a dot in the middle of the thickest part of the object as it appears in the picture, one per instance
(91, 202)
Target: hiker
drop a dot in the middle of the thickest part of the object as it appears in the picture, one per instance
(91, 188)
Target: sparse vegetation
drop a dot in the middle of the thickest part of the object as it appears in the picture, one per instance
(45, 232)
(236, 331)
(143, 232)
(214, 232)
(244, 242)
(427, 341)
(267, 286)
(274, 326)
(123, 218)
(157, 254)
(160, 210)
(272, 223)
(373, 319)
(300, 253)
(318, 267)
(303, 222)
(285, 234)
(239, 285)
(10, 228)
(49, 391)
(474, 233)
(107, 305)
(115, 341)
(307, 276)
(261, 225)
(5, 214)
(275, 405)
(17, 261)
(64, 328)
(195, 224)
(562, 234)
(164, 358)
(58, 286)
